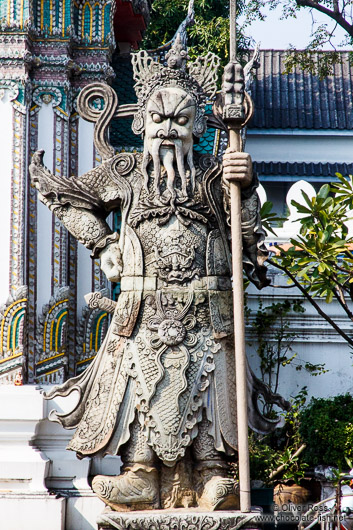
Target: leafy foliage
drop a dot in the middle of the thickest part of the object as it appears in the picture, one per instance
(320, 260)
(269, 218)
(326, 427)
(209, 33)
(211, 30)
(277, 456)
(337, 12)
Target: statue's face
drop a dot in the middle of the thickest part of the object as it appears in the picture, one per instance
(170, 117)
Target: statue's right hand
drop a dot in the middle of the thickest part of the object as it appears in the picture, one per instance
(111, 262)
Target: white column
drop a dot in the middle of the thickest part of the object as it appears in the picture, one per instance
(44, 216)
(84, 262)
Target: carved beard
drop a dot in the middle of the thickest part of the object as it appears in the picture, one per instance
(168, 158)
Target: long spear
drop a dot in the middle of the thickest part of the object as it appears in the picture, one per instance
(234, 116)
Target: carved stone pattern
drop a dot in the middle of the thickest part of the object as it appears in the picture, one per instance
(137, 450)
(148, 207)
(17, 245)
(173, 521)
(83, 226)
(13, 336)
(234, 111)
(98, 300)
(32, 255)
(186, 368)
(175, 256)
(177, 487)
(92, 431)
(84, 331)
(50, 356)
(203, 446)
(226, 381)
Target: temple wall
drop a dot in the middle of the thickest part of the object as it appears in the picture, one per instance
(295, 145)
(46, 57)
(313, 340)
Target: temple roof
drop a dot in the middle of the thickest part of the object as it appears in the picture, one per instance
(302, 169)
(121, 134)
(295, 101)
(301, 100)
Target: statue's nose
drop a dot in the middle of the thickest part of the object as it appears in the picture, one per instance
(168, 134)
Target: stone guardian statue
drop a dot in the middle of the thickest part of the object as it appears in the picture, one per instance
(161, 391)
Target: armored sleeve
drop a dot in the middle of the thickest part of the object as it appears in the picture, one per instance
(83, 204)
(254, 250)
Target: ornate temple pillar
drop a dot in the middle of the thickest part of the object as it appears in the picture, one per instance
(48, 52)
(15, 95)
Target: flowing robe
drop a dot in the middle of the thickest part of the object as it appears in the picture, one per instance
(168, 356)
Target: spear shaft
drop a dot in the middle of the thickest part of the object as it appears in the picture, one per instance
(235, 143)
(232, 31)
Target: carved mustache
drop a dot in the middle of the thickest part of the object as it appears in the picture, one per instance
(167, 158)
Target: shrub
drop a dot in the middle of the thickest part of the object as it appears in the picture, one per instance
(326, 428)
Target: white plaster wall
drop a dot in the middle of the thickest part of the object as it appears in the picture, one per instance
(314, 341)
(299, 146)
(6, 136)
(44, 216)
(33, 458)
(84, 262)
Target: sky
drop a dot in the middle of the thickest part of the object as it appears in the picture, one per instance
(279, 34)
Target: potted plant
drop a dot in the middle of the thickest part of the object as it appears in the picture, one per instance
(276, 462)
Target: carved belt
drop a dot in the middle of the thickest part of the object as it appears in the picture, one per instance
(152, 283)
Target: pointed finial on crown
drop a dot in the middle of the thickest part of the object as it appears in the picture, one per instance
(177, 55)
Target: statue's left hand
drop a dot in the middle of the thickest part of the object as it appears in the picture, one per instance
(111, 262)
(237, 166)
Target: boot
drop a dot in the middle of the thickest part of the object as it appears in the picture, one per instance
(216, 491)
(135, 489)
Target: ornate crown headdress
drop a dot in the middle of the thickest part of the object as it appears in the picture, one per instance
(199, 79)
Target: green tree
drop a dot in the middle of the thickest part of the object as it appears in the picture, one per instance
(211, 29)
(338, 13)
(320, 261)
(209, 33)
(326, 428)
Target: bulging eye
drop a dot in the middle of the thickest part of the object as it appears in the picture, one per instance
(156, 118)
(182, 120)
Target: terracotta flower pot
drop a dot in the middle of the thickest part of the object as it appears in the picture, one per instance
(290, 493)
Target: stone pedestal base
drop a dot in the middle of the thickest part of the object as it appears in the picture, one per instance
(182, 519)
